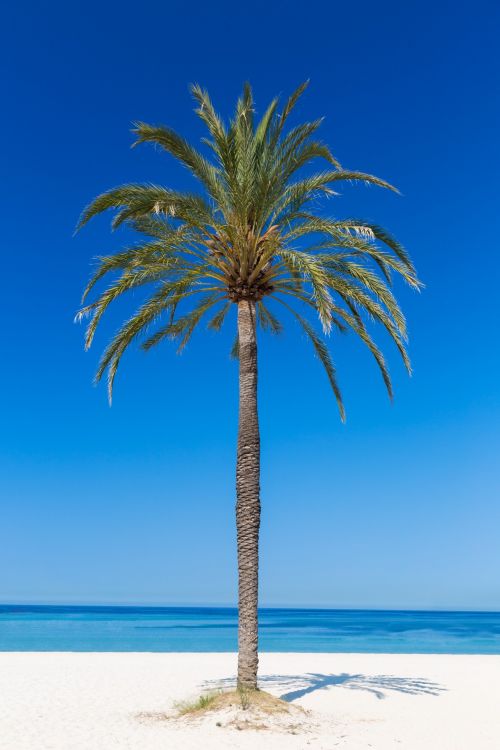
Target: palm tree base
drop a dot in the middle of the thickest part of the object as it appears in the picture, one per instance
(243, 709)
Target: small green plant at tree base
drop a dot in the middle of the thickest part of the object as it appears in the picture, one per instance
(200, 704)
(244, 694)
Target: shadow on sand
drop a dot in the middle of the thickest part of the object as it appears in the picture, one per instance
(297, 686)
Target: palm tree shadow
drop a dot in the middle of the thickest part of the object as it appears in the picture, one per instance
(298, 686)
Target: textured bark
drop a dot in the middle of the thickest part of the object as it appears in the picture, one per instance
(248, 499)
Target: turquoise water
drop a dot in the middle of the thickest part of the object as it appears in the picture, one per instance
(78, 628)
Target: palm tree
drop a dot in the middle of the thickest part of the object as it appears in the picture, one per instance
(252, 236)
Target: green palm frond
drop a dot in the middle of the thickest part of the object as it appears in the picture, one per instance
(183, 327)
(357, 325)
(323, 355)
(215, 324)
(315, 273)
(143, 317)
(287, 109)
(137, 201)
(364, 281)
(174, 144)
(267, 320)
(140, 256)
(235, 349)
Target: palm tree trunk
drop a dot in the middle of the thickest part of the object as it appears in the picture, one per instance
(248, 499)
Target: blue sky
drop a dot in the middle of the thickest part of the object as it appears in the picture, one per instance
(400, 506)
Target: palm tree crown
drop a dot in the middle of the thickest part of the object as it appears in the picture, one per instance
(254, 234)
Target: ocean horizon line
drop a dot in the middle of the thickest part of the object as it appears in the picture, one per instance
(233, 607)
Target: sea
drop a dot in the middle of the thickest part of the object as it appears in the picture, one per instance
(196, 629)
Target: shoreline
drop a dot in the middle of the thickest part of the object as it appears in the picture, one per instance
(83, 700)
(486, 655)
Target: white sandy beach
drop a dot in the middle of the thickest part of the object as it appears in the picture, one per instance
(97, 701)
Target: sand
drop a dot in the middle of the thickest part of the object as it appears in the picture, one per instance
(96, 701)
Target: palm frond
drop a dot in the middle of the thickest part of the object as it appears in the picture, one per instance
(217, 321)
(323, 355)
(183, 327)
(358, 327)
(315, 273)
(136, 201)
(235, 349)
(267, 320)
(174, 144)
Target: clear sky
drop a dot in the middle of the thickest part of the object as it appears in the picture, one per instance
(399, 507)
